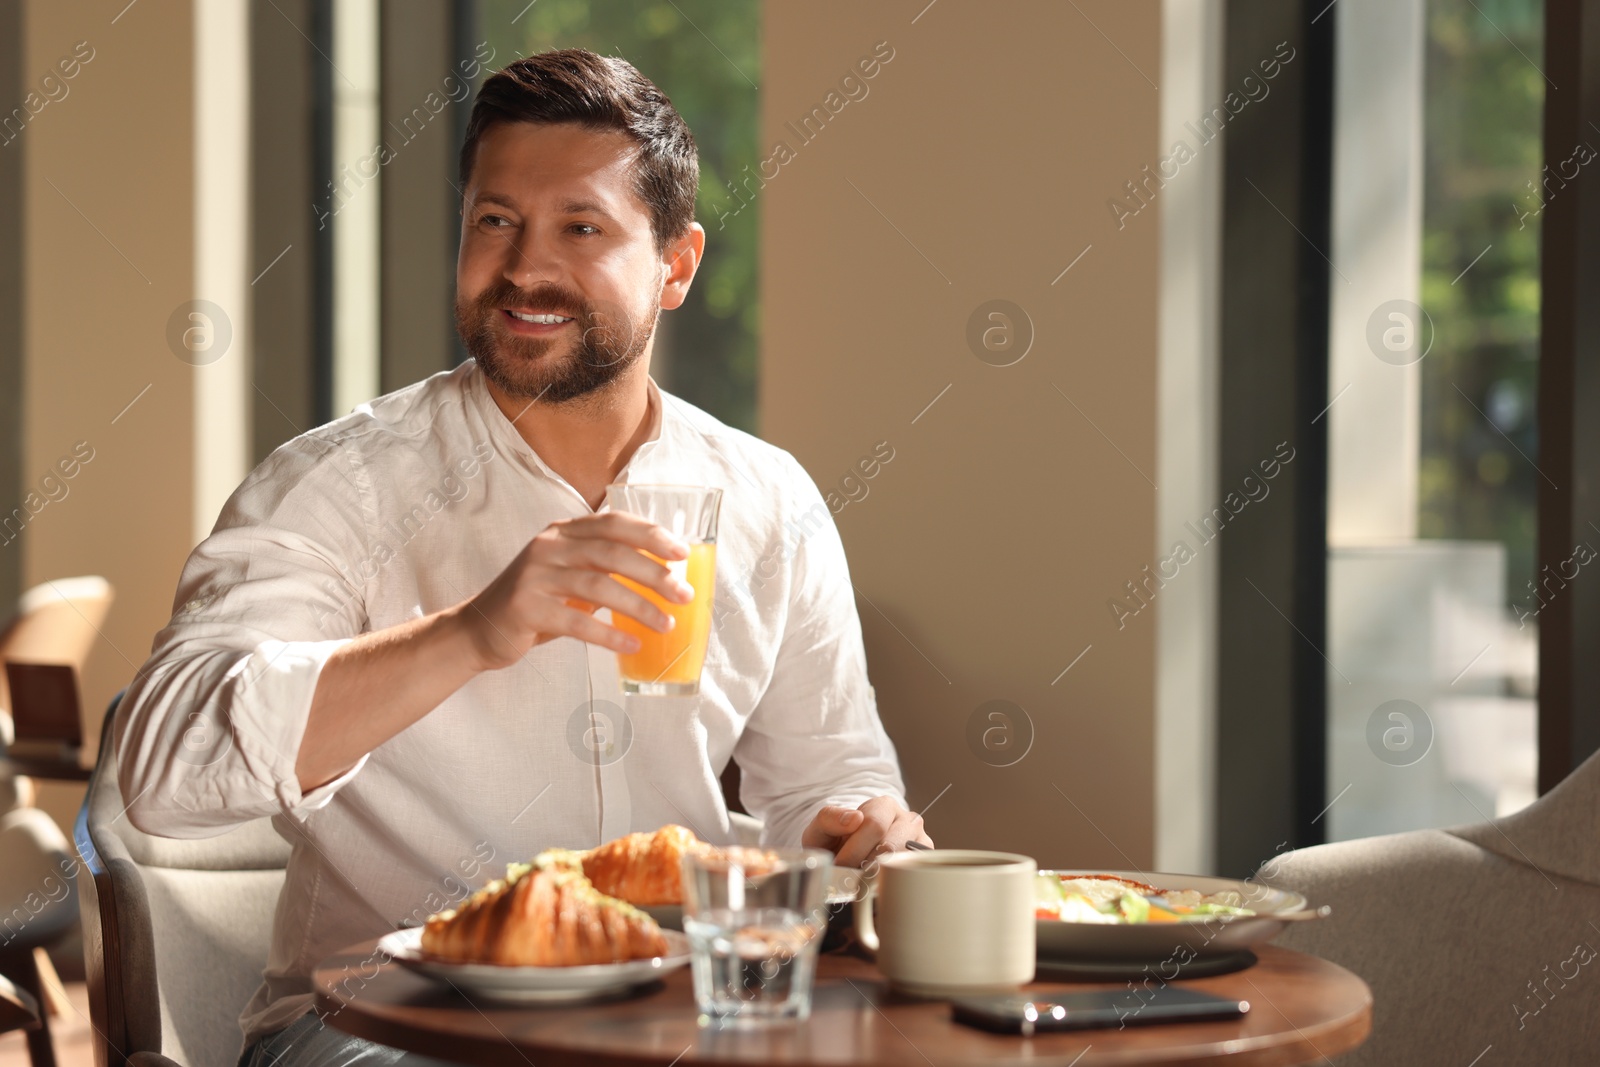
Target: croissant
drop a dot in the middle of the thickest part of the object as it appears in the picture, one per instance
(642, 868)
(542, 916)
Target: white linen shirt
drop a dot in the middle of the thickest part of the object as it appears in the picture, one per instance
(411, 504)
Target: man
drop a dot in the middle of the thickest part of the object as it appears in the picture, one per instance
(372, 647)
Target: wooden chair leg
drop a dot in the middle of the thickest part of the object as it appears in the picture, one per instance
(20, 967)
(55, 994)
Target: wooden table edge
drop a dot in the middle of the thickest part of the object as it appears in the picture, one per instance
(1321, 1043)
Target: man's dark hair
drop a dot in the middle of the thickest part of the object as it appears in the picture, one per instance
(577, 86)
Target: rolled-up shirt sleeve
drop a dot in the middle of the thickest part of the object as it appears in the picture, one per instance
(208, 734)
(815, 737)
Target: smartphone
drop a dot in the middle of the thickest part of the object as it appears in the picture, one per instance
(1083, 1011)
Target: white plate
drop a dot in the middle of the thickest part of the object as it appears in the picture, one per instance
(1065, 942)
(536, 984)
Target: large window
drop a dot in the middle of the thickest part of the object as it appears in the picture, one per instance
(1479, 480)
(1433, 599)
(706, 56)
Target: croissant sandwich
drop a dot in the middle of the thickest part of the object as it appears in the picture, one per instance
(645, 869)
(642, 868)
(542, 915)
(571, 907)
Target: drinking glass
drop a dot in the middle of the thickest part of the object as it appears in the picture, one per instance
(755, 920)
(668, 664)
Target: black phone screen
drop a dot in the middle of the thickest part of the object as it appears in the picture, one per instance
(1042, 1012)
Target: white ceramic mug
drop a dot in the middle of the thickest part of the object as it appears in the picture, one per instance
(951, 921)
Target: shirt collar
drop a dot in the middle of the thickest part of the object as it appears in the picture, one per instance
(507, 437)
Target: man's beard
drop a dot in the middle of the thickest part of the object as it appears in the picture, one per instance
(608, 342)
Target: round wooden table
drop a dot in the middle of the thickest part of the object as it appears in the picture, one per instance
(1303, 1010)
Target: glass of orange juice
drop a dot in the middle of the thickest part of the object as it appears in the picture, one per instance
(668, 664)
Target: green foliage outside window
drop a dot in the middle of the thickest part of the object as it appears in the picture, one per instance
(1482, 195)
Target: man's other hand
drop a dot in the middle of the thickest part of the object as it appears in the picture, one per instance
(856, 835)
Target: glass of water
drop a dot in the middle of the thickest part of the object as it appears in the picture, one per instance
(755, 919)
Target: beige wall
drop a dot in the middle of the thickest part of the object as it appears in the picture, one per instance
(989, 546)
(102, 274)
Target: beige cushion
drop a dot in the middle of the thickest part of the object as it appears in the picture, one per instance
(38, 892)
(211, 930)
(196, 921)
(1559, 833)
(255, 846)
(1453, 939)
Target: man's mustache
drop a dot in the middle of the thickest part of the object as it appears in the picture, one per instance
(547, 300)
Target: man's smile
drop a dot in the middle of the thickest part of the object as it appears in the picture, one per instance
(534, 324)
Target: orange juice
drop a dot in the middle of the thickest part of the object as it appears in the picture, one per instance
(669, 663)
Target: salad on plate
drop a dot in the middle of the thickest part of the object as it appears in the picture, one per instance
(1109, 899)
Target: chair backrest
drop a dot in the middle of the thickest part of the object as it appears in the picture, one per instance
(1556, 833)
(175, 932)
(44, 704)
(56, 622)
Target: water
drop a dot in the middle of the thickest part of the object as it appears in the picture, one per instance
(752, 965)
